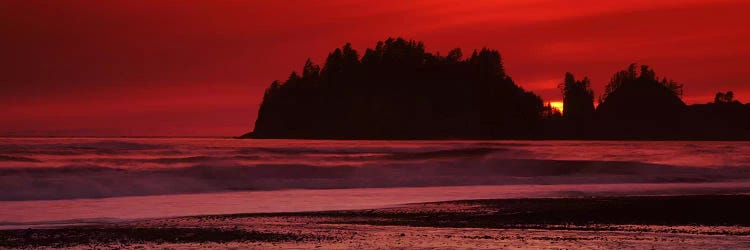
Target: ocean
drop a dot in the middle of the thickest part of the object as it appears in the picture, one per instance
(62, 181)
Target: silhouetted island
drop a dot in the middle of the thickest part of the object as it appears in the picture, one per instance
(399, 91)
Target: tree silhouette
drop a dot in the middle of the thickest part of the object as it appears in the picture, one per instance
(637, 105)
(725, 119)
(578, 104)
(727, 97)
(398, 90)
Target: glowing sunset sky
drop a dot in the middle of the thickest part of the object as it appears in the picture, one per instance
(99, 68)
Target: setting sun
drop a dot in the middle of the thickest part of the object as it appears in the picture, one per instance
(558, 105)
(340, 124)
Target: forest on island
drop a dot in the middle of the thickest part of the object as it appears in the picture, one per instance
(397, 90)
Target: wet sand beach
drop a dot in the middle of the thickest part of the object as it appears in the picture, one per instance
(661, 222)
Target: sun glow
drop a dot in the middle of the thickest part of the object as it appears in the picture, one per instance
(557, 105)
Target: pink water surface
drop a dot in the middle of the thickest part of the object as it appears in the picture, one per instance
(47, 181)
(22, 214)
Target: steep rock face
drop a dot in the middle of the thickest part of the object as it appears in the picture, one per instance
(399, 91)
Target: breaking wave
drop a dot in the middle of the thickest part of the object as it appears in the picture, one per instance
(91, 181)
(53, 169)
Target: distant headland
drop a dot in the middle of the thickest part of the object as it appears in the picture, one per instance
(397, 90)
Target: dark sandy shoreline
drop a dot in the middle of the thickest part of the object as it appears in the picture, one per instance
(606, 222)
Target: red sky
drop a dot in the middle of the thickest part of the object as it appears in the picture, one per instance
(199, 68)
